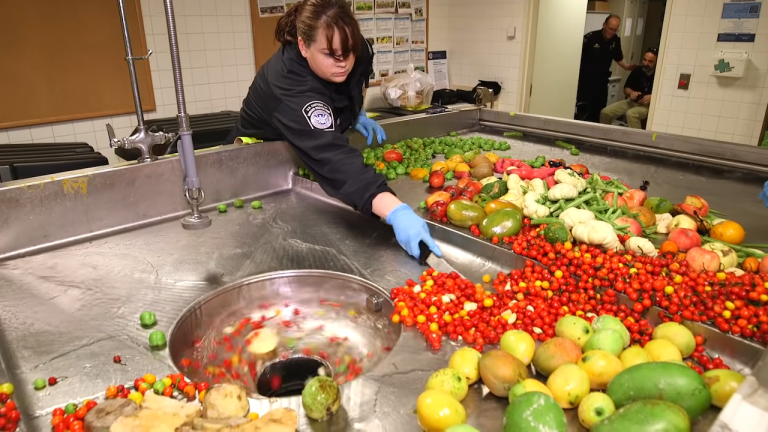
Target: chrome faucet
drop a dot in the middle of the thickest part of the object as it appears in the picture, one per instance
(143, 139)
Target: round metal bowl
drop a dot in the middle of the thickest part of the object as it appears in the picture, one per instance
(340, 322)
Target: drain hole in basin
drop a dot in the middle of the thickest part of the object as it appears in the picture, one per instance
(285, 378)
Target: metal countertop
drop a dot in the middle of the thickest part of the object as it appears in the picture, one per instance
(68, 311)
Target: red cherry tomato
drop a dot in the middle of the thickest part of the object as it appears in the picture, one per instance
(393, 155)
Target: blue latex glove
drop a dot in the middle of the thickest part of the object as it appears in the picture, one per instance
(764, 194)
(410, 229)
(367, 127)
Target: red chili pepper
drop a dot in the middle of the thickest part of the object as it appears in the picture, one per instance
(550, 181)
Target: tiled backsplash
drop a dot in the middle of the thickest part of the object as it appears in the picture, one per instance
(724, 109)
(475, 35)
(216, 45)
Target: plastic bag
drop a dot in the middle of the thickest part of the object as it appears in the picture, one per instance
(410, 90)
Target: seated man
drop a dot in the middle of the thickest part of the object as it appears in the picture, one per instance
(637, 89)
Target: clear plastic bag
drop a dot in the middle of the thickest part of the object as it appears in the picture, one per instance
(410, 90)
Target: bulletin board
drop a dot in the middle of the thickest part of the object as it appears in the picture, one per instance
(397, 30)
(65, 60)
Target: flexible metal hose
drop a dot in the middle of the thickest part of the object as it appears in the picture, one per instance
(181, 104)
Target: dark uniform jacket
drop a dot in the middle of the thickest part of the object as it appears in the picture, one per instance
(597, 53)
(640, 81)
(287, 101)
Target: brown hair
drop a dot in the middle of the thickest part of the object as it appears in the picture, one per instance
(307, 17)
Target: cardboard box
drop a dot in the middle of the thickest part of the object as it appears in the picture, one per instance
(598, 6)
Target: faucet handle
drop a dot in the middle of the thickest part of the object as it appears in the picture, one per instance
(113, 141)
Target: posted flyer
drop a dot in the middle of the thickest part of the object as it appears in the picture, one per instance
(384, 31)
(401, 62)
(419, 8)
(419, 33)
(404, 7)
(385, 6)
(384, 60)
(271, 7)
(402, 31)
(368, 29)
(419, 59)
(364, 7)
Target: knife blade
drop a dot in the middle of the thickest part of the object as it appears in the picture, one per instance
(427, 258)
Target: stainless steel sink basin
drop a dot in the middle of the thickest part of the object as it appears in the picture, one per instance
(273, 331)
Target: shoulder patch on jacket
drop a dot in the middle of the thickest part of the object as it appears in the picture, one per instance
(319, 115)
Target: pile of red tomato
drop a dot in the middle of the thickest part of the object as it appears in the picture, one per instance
(582, 280)
(9, 413)
(70, 418)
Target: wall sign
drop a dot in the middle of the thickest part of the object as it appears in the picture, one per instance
(738, 22)
(438, 68)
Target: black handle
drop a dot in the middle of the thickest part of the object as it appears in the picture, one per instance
(424, 252)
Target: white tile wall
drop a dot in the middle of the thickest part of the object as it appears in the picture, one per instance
(216, 50)
(716, 108)
(475, 36)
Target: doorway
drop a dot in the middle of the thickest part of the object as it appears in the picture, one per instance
(553, 50)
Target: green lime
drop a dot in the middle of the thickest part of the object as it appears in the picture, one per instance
(222, 208)
(39, 384)
(157, 339)
(158, 387)
(238, 203)
(256, 205)
(147, 319)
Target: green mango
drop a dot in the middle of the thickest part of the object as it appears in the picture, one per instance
(502, 223)
(464, 213)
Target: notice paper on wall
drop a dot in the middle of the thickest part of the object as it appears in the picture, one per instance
(384, 31)
(628, 27)
(419, 8)
(438, 68)
(640, 24)
(419, 59)
(402, 60)
(384, 60)
(404, 7)
(738, 22)
(364, 7)
(385, 6)
(402, 31)
(419, 33)
(368, 29)
(271, 7)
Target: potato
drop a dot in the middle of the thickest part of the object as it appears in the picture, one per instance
(224, 401)
(103, 415)
(187, 410)
(277, 420)
(149, 420)
(483, 171)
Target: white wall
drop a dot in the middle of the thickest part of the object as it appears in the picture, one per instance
(715, 108)
(216, 50)
(475, 35)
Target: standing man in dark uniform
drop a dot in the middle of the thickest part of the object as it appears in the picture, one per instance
(599, 49)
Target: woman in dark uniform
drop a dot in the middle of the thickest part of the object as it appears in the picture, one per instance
(309, 93)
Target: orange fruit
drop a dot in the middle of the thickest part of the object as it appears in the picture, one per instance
(750, 264)
(729, 232)
(668, 246)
